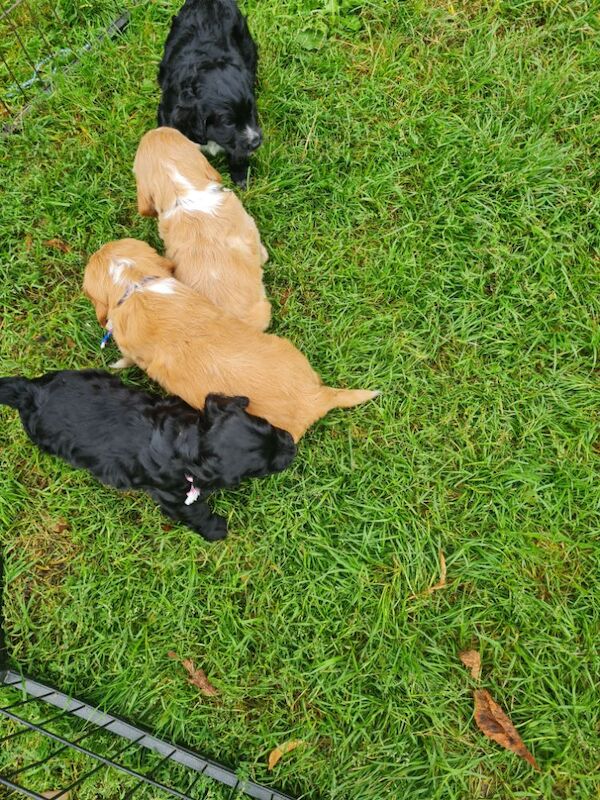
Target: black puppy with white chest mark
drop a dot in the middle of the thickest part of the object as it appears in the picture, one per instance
(132, 440)
(207, 76)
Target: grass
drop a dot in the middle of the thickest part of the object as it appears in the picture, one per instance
(427, 194)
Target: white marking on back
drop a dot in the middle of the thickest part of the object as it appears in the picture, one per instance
(212, 148)
(115, 268)
(164, 286)
(207, 201)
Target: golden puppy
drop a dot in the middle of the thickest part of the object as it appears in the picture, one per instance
(214, 243)
(192, 348)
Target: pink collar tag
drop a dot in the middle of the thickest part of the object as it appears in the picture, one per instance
(193, 492)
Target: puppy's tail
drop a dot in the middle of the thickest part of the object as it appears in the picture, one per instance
(15, 392)
(346, 398)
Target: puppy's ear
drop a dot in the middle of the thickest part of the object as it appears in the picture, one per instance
(100, 308)
(211, 173)
(208, 471)
(217, 404)
(214, 405)
(167, 264)
(190, 120)
(212, 472)
(101, 312)
(240, 402)
(145, 200)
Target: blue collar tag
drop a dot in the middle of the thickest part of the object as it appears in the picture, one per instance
(105, 339)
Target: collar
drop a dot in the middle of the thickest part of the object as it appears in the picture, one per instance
(136, 287)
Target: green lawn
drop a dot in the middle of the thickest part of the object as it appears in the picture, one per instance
(426, 191)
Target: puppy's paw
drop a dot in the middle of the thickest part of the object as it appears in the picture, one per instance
(122, 363)
(214, 529)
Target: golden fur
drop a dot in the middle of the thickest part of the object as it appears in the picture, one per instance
(192, 348)
(217, 252)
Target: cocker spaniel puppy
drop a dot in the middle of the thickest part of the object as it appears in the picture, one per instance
(132, 440)
(207, 76)
(192, 348)
(213, 242)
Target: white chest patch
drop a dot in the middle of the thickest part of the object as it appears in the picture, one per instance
(207, 201)
(212, 148)
(164, 286)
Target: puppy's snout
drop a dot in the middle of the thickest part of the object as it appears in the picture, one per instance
(284, 451)
(254, 138)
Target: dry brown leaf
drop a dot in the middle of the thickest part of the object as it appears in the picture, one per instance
(472, 660)
(58, 244)
(285, 296)
(440, 584)
(494, 723)
(442, 581)
(61, 526)
(197, 677)
(280, 751)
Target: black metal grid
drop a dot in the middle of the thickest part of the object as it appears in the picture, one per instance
(18, 93)
(103, 741)
(190, 783)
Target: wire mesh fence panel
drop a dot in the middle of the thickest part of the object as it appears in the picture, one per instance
(40, 39)
(53, 745)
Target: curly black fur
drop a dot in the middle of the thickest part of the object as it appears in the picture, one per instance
(207, 76)
(132, 440)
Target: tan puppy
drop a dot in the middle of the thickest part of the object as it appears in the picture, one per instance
(192, 348)
(214, 243)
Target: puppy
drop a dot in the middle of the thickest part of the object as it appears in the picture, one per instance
(207, 76)
(132, 440)
(214, 243)
(192, 348)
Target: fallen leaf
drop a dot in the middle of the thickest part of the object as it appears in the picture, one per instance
(442, 581)
(440, 584)
(197, 677)
(280, 751)
(28, 243)
(58, 244)
(472, 660)
(285, 296)
(494, 723)
(61, 526)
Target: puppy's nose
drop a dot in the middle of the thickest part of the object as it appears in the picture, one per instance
(254, 138)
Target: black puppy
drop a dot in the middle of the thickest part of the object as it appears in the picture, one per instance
(132, 440)
(207, 76)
